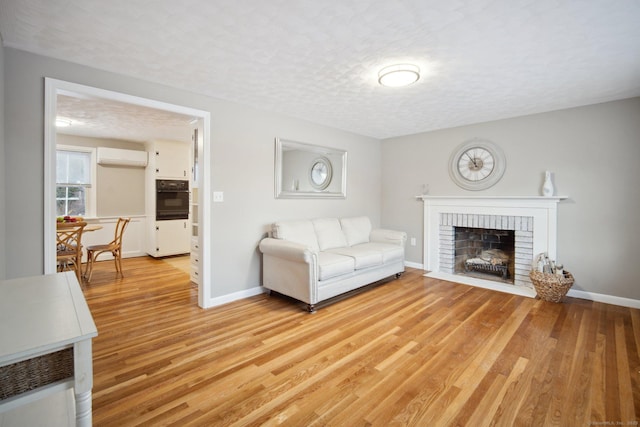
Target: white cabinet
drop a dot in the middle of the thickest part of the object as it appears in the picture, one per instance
(170, 159)
(195, 260)
(195, 240)
(167, 160)
(197, 142)
(197, 145)
(170, 237)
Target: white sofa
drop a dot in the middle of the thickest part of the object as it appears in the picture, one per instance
(314, 260)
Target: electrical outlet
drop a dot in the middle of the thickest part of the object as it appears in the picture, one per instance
(413, 241)
(218, 196)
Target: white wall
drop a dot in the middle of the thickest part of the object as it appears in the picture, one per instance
(243, 162)
(594, 153)
(3, 170)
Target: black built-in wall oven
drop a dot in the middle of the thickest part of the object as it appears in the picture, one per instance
(172, 199)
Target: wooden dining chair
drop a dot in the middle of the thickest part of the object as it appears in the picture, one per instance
(114, 247)
(69, 246)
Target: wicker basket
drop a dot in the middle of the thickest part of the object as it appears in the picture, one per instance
(36, 372)
(551, 287)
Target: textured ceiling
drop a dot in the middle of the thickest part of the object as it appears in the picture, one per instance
(100, 118)
(318, 60)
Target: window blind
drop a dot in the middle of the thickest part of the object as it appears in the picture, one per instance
(73, 168)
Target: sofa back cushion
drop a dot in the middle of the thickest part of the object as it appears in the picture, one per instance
(329, 233)
(356, 229)
(296, 231)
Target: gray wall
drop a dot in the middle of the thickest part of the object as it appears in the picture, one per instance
(593, 152)
(120, 190)
(243, 159)
(3, 170)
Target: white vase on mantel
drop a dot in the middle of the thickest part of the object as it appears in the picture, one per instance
(547, 187)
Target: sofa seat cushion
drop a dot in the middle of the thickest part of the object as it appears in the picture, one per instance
(388, 251)
(332, 265)
(363, 257)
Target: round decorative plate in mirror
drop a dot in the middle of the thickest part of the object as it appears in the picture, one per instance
(477, 164)
(320, 173)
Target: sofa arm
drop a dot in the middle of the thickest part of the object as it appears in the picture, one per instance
(388, 236)
(290, 269)
(287, 250)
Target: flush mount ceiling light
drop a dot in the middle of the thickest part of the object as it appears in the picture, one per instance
(398, 75)
(63, 123)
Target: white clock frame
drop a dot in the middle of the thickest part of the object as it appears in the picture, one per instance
(323, 179)
(491, 179)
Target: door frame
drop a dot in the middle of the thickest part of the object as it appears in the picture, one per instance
(53, 88)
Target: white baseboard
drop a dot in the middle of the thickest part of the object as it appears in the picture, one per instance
(608, 299)
(591, 296)
(224, 299)
(413, 265)
(520, 290)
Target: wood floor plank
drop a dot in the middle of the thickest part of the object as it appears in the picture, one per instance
(632, 331)
(409, 352)
(537, 388)
(501, 410)
(627, 410)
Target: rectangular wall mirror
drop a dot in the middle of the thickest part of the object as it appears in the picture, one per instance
(309, 171)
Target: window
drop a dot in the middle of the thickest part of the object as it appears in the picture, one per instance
(75, 176)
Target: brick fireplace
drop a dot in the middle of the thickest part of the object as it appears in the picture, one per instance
(526, 225)
(521, 228)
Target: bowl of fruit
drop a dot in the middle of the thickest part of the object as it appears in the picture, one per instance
(68, 218)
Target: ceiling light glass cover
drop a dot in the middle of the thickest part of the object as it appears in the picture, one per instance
(63, 123)
(398, 75)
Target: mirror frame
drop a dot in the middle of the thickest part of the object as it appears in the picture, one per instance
(319, 152)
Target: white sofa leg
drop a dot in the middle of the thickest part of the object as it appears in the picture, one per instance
(311, 308)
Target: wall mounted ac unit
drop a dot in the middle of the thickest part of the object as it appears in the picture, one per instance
(120, 157)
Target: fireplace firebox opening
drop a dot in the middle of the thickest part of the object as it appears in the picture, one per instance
(485, 253)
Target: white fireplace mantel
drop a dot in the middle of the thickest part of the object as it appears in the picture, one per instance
(541, 210)
(465, 199)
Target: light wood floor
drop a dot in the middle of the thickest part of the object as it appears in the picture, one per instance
(181, 262)
(414, 351)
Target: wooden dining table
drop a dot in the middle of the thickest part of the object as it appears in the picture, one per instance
(88, 227)
(92, 227)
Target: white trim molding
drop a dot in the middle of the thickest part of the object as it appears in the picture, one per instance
(414, 265)
(603, 298)
(53, 88)
(224, 299)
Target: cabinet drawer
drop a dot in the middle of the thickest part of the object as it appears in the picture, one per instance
(195, 246)
(195, 275)
(195, 259)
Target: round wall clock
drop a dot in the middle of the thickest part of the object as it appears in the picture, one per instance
(320, 173)
(477, 164)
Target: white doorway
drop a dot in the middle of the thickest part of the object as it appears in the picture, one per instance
(53, 88)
